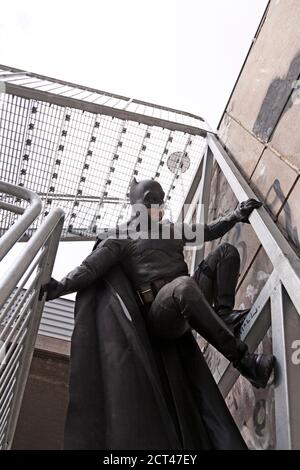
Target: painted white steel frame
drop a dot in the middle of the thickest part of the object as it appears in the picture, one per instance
(20, 310)
(278, 304)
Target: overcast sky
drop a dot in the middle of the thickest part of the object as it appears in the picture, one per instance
(184, 54)
(179, 53)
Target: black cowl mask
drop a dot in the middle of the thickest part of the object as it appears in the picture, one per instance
(146, 192)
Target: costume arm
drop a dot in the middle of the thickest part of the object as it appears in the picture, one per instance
(219, 227)
(95, 265)
(206, 232)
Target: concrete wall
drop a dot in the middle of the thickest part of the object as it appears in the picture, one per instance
(260, 130)
(42, 416)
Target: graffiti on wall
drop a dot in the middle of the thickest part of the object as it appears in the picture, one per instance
(276, 101)
(287, 220)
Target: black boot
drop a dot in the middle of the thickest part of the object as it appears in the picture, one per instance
(257, 368)
(194, 307)
(234, 319)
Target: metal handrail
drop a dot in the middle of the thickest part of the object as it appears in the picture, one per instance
(20, 318)
(278, 304)
(284, 259)
(29, 214)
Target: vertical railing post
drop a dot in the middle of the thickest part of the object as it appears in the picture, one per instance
(203, 203)
(281, 395)
(286, 348)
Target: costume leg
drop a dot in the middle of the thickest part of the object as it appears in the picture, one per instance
(217, 277)
(180, 305)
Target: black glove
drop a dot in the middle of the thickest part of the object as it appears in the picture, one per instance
(245, 208)
(52, 289)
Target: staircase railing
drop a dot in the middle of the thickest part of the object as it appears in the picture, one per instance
(278, 304)
(20, 310)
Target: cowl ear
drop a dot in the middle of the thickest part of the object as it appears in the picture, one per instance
(134, 181)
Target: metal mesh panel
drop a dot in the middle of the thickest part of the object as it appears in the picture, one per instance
(84, 161)
(39, 83)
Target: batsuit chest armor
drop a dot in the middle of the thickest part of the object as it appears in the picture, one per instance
(148, 260)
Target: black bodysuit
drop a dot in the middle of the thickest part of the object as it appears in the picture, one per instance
(143, 260)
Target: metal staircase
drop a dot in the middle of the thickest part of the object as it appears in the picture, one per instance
(117, 138)
(20, 310)
(277, 306)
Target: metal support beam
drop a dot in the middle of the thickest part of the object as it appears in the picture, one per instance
(123, 114)
(14, 72)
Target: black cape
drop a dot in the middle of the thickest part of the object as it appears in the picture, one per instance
(128, 391)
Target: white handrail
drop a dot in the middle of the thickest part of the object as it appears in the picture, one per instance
(280, 253)
(278, 305)
(22, 317)
(15, 232)
(15, 272)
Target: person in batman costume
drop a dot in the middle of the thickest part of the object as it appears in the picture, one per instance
(138, 378)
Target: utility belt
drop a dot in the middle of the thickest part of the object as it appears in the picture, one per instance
(147, 292)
